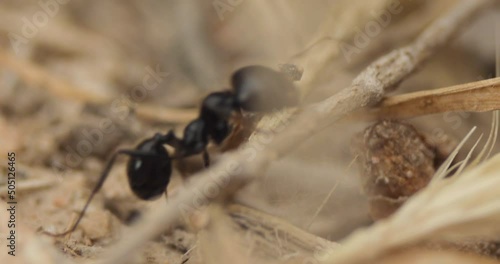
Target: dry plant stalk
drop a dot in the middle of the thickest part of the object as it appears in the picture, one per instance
(433, 257)
(481, 96)
(262, 236)
(275, 236)
(236, 169)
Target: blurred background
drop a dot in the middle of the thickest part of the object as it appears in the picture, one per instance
(79, 79)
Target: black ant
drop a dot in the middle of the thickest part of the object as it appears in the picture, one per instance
(255, 89)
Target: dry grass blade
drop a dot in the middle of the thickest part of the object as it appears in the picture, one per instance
(494, 133)
(240, 234)
(236, 169)
(444, 168)
(481, 96)
(490, 143)
(465, 162)
(464, 206)
(271, 230)
(434, 257)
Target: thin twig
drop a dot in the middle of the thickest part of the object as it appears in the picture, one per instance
(236, 169)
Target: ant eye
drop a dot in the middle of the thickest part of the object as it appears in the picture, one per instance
(261, 89)
(138, 164)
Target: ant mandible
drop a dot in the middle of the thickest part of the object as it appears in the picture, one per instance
(255, 89)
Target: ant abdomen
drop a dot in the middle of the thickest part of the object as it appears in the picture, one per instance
(261, 89)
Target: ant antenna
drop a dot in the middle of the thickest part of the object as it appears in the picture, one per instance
(102, 179)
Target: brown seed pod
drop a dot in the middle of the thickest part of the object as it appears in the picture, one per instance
(395, 162)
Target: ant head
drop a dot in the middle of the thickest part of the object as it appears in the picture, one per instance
(149, 168)
(261, 89)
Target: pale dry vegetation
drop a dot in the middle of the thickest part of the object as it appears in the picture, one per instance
(81, 84)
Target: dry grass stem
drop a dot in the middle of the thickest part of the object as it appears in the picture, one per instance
(254, 235)
(481, 96)
(236, 169)
(433, 257)
(445, 167)
(272, 228)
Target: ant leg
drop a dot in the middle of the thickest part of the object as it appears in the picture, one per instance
(102, 179)
(206, 158)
